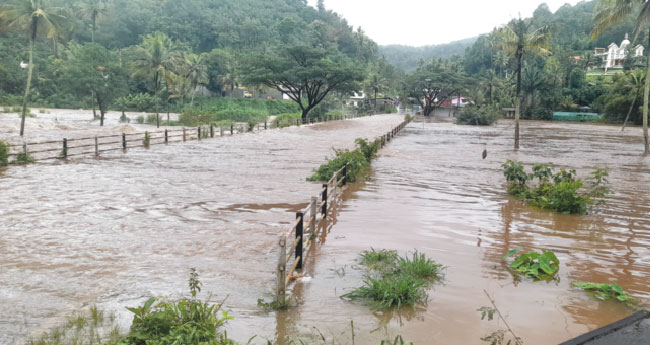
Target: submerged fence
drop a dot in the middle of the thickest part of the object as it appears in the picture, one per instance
(70, 147)
(304, 230)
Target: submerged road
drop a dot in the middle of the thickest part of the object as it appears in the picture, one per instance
(115, 230)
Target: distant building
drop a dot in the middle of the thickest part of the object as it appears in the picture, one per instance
(456, 102)
(614, 56)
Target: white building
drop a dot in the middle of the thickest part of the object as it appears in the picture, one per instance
(614, 56)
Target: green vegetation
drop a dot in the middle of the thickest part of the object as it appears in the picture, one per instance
(535, 265)
(274, 305)
(397, 281)
(139, 119)
(356, 160)
(4, 154)
(23, 158)
(480, 116)
(147, 139)
(605, 291)
(198, 117)
(285, 120)
(560, 192)
(90, 327)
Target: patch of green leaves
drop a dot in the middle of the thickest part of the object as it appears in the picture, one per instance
(535, 265)
(357, 161)
(605, 291)
(275, 304)
(23, 158)
(560, 192)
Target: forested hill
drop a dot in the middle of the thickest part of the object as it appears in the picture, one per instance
(572, 26)
(220, 32)
(407, 57)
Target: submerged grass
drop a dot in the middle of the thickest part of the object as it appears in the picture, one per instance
(395, 281)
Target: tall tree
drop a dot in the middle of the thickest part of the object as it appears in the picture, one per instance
(195, 71)
(306, 75)
(634, 82)
(612, 12)
(37, 19)
(518, 38)
(376, 83)
(92, 9)
(156, 58)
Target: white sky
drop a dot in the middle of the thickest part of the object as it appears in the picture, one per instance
(426, 22)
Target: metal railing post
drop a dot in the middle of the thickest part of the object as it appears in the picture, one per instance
(312, 215)
(324, 200)
(124, 141)
(166, 137)
(345, 174)
(282, 271)
(299, 237)
(184, 137)
(198, 133)
(96, 146)
(232, 129)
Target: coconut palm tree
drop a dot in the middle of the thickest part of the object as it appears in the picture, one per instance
(612, 12)
(38, 19)
(156, 58)
(196, 72)
(377, 83)
(518, 38)
(92, 9)
(634, 81)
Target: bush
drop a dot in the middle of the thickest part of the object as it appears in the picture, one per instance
(23, 158)
(152, 119)
(188, 321)
(539, 114)
(139, 119)
(334, 114)
(124, 119)
(137, 102)
(480, 116)
(4, 154)
(198, 117)
(285, 120)
(356, 160)
(560, 192)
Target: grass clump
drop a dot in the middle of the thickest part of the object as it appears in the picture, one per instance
(356, 160)
(23, 158)
(605, 291)
(274, 305)
(124, 118)
(139, 119)
(4, 154)
(479, 116)
(151, 119)
(535, 265)
(408, 118)
(198, 117)
(395, 281)
(90, 327)
(558, 191)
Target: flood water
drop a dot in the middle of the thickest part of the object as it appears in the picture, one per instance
(115, 230)
(430, 190)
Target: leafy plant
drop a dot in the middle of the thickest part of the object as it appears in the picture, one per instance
(275, 304)
(147, 139)
(397, 341)
(487, 311)
(124, 119)
(139, 119)
(535, 265)
(151, 119)
(419, 266)
(408, 118)
(480, 116)
(356, 160)
(23, 158)
(560, 191)
(373, 258)
(4, 153)
(284, 120)
(605, 291)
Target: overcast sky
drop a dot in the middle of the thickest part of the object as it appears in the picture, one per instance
(425, 22)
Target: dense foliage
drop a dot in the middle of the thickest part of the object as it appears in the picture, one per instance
(558, 191)
(150, 56)
(478, 115)
(356, 160)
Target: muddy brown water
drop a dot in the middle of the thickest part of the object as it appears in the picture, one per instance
(430, 190)
(116, 230)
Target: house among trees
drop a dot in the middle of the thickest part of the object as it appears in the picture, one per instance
(614, 56)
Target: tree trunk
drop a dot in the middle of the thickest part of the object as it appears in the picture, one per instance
(375, 100)
(27, 87)
(630, 111)
(101, 110)
(646, 95)
(518, 100)
(92, 97)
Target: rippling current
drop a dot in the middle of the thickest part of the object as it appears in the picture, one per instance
(115, 230)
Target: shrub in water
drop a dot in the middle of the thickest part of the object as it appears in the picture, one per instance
(23, 158)
(4, 154)
(356, 160)
(284, 120)
(605, 291)
(152, 119)
(560, 192)
(480, 116)
(139, 119)
(535, 265)
(395, 281)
